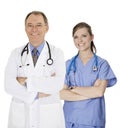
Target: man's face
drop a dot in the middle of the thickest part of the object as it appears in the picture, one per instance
(36, 29)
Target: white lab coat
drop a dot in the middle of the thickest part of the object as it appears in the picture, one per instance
(25, 110)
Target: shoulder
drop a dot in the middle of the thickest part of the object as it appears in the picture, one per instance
(100, 58)
(69, 61)
(17, 50)
(102, 61)
(55, 50)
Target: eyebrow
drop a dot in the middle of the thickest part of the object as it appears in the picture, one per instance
(32, 23)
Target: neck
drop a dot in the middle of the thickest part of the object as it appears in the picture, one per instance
(85, 56)
(36, 44)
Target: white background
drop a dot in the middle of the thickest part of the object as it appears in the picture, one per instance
(102, 15)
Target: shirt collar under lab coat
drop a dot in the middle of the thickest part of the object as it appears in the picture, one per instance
(39, 48)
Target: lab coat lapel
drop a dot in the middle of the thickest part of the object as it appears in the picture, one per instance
(42, 58)
(39, 67)
(30, 62)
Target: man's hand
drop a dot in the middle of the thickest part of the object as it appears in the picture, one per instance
(53, 74)
(43, 95)
(21, 80)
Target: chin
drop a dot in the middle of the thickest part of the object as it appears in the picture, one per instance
(35, 44)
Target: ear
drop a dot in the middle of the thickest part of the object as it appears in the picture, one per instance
(47, 28)
(25, 28)
(92, 37)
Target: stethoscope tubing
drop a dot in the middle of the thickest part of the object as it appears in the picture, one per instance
(49, 61)
(72, 66)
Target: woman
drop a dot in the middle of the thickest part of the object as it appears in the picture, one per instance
(87, 77)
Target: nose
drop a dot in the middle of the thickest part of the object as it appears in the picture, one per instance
(34, 28)
(80, 39)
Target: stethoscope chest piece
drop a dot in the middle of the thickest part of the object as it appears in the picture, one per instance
(50, 61)
(94, 68)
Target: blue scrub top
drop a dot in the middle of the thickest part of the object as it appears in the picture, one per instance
(92, 111)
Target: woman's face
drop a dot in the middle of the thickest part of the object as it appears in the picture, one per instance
(82, 39)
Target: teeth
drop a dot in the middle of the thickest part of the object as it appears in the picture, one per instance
(80, 44)
(34, 34)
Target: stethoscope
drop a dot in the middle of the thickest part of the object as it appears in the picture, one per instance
(49, 61)
(72, 66)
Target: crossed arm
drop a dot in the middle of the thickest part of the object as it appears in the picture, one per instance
(22, 81)
(83, 93)
(77, 93)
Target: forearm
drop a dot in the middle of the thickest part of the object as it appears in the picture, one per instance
(49, 85)
(18, 91)
(97, 90)
(22, 81)
(91, 92)
(68, 95)
(42, 95)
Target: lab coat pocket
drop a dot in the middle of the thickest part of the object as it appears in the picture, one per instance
(23, 71)
(17, 115)
(20, 71)
(49, 71)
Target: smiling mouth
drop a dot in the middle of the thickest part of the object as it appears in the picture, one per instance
(34, 34)
(80, 45)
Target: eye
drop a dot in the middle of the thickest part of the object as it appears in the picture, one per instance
(84, 35)
(30, 25)
(39, 25)
(75, 37)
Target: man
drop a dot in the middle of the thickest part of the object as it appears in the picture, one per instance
(34, 76)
